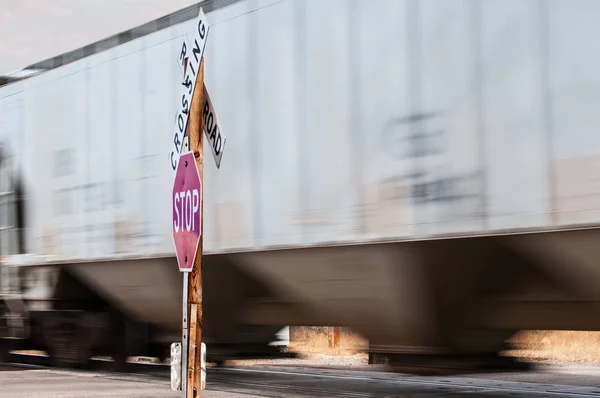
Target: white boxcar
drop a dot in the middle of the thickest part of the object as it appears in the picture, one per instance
(347, 122)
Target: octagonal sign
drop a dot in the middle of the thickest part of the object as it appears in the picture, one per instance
(187, 211)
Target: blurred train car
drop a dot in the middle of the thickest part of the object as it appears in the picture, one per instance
(78, 309)
(424, 172)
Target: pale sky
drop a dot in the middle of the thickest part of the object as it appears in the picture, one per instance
(34, 30)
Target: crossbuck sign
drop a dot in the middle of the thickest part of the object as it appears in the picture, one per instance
(212, 126)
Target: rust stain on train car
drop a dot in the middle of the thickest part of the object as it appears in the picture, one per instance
(127, 232)
(51, 240)
(314, 218)
(577, 189)
(384, 207)
(231, 226)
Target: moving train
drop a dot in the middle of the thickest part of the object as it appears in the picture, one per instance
(423, 172)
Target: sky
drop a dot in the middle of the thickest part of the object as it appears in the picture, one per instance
(34, 30)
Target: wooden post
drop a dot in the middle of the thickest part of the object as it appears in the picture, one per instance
(334, 337)
(195, 125)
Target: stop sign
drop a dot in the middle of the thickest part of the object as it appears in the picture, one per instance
(187, 211)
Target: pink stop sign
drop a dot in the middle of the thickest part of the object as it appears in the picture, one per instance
(187, 211)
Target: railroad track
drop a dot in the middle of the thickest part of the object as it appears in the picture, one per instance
(275, 382)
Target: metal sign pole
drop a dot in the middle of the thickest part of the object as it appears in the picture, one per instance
(184, 337)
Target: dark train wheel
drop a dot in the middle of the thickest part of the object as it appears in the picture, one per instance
(4, 332)
(119, 362)
(118, 348)
(4, 350)
(67, 343)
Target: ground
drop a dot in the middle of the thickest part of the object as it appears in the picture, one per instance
(20, 382)
(567, 365)
(302, 380)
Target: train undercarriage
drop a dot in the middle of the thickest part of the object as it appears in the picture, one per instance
(71, 324)
(445, 303)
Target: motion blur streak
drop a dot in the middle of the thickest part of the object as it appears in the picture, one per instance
(423, 172)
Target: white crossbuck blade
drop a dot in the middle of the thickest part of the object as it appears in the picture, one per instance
(194, 51)
(212, 125)
(212, 129)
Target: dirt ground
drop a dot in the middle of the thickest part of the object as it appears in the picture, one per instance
(538, 346)
(557, 346)
(317, 340)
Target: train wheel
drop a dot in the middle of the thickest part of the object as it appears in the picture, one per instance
(4, 350)
(4, 332)
(66, 340)
(119, 362)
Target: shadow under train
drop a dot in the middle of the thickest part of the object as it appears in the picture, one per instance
(417, 302)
